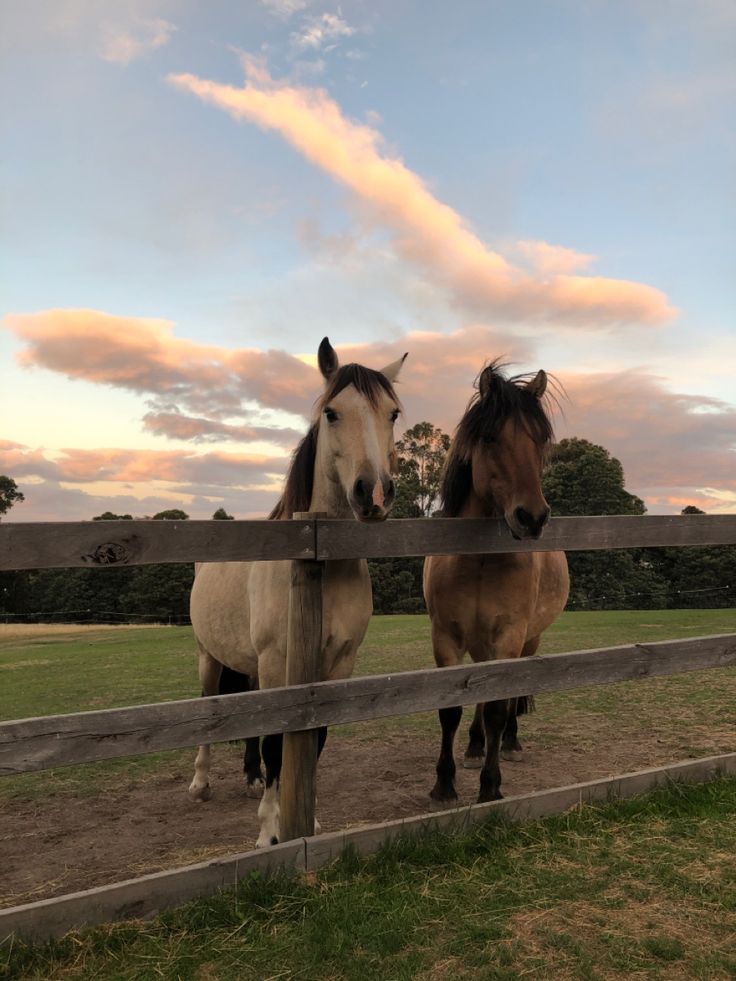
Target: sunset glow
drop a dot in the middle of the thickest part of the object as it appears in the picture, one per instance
(197, 197)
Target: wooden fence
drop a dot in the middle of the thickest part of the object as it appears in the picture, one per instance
(307, 703)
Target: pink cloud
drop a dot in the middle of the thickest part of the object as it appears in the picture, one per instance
(426, 231)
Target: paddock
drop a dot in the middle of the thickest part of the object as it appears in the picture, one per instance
(389, 696)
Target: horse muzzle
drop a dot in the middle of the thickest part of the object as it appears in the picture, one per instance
(372, 500)
(524, 524)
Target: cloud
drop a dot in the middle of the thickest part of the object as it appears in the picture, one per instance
(176, 425)
(321, 31)
(122, 45)
(134, 466)
(553, 260)
(142, 354)
(426, 231)
(673, 446)
(284, 9)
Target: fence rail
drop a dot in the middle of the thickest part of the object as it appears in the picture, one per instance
(112, 544)
(65, 740)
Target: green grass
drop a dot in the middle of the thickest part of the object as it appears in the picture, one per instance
(85, 669)
(642, 888)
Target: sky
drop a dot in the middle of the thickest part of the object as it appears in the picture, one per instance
(195, 194)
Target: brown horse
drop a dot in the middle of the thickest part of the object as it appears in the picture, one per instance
(342, 468)
(494, 606)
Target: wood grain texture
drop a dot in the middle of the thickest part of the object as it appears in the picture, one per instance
(111, 544)
(151, 894)
(303, 666)
(63, 740)
(470, 536)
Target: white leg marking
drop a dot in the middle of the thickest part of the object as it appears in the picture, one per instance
(269, 812)
(199, 788)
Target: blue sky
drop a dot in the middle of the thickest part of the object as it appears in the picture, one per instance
(601, 128)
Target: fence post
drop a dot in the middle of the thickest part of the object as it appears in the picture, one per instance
(303, 666)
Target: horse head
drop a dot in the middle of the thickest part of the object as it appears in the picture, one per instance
(355, 432)
(498, 452)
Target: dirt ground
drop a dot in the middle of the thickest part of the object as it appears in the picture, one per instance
(61, 844)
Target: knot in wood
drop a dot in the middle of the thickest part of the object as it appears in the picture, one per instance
(111, 553)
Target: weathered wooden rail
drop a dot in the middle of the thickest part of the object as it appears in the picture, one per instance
(307, 703)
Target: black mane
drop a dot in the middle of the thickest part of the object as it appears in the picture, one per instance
(503, 399)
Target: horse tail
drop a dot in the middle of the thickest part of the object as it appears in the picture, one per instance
(525, 705)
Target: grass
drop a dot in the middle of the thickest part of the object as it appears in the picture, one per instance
(640, 888)
(57, 669)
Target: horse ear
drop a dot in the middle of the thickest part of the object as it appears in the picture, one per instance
(391, 371)
(327, 359)
(485, 380)
(538, 384)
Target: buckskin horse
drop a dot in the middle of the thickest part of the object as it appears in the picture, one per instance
(494, 606)
(239, 610)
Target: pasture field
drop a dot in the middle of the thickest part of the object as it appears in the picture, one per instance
(642, 888)
(87, 825)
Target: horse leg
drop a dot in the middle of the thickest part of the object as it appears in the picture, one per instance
(510, 746)
(231, 683)
(495, 717)
(209, 677)
(444, 789)
(269, 810)
(448, 651)
(252, 767)
(477, 741)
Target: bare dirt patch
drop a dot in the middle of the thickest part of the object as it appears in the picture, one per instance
(63, 843)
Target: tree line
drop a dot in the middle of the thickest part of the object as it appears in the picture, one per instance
(581, 478)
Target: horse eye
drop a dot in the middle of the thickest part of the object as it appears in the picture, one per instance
(394, 415)
(331, 415)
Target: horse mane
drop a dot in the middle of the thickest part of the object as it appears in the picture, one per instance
(297, 493)
(502, 399)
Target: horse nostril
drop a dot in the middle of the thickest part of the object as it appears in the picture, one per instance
(524, 518)
(390, 491)
(359, 490)
(545, 517)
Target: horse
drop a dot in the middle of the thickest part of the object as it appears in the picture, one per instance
(343, 468)
(493, 606)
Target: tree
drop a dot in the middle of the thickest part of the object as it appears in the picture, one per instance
(397, 583)
(222, 515)
(109, 516)
(173, 514)
(9, 494)
(697, 576)
(422, 451)
(584, 479)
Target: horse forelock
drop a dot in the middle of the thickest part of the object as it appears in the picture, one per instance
(299, 484)
(368, 382)
(503, 399)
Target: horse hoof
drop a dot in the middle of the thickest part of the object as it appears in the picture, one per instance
(489, 798)
(200, 794)
(442, 804)
(254, 788)
(512, 755)
(472, 762)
